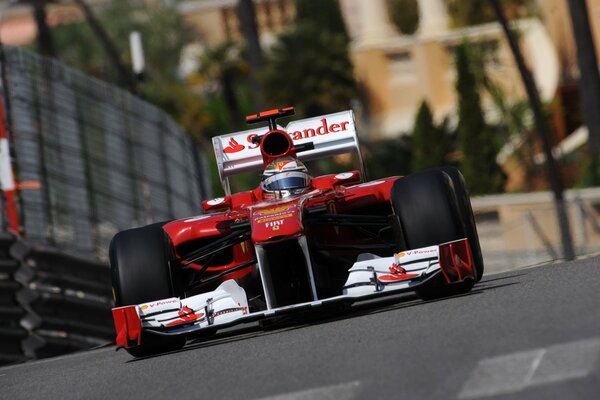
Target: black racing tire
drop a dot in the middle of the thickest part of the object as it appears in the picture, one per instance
(428, 212)
(466, 216)
(139, 263)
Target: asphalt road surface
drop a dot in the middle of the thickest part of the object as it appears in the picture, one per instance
(529, 334)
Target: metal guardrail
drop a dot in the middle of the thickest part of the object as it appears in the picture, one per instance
(518, 230)
(11, 332)
(51, 303)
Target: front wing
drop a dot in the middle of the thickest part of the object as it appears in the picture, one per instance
(371, 276)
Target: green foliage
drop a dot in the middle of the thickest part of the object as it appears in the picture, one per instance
(474, 12)
(429, 144)
(475, 139)
(163, 34)
(324, 14)
(404, 15)
(589, 175)
(309, 67)
(186, 107)
(77, 46)
(515, 122)
(387, 157)
(225, 65)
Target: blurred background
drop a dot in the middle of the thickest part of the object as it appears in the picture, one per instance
(432, 82)
(109, 108)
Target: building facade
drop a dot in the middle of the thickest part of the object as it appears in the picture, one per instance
(399, 71)
(396, 72)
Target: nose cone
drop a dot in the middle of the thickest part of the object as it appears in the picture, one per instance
(275, 222)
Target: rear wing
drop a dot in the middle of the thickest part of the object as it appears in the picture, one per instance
(330, 134)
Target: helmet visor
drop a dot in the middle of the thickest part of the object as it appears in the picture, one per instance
(286, 181)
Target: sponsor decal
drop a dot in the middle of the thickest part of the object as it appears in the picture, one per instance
(186, 315)
(323, 129)
(215, 202)
(417, 252)
(345, 175)
(274, 210)
(275, 218)
(251, 144)
(158, 303)
(397, 269)
(274, 224)
(281, 165)
(233, 147)
(244, 310)
(398, 274)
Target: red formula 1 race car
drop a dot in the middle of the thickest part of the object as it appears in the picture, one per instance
(294, 243)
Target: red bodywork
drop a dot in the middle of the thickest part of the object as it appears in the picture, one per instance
(128, 326)
(262, 221)
(289, 251)
(277, 220)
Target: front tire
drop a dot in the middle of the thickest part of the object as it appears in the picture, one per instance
(139, 262)
(429, 214)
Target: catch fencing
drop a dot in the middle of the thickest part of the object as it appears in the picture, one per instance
(91, 159)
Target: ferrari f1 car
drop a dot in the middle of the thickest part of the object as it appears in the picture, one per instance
(295, 243)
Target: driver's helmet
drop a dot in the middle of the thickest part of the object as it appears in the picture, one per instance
(286, 176)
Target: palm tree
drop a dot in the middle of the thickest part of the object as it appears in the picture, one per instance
(543, 132)
(589, 82)
(224, 65)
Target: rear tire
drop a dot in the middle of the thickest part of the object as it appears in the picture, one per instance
(428, 211)
(139, 262)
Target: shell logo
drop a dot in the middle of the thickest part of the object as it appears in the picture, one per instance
(144, 307)
(401, 254)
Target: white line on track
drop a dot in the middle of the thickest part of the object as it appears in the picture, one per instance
(518, 371)
(342, 391)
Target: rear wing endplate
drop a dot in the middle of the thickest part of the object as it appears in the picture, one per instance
(331, 134)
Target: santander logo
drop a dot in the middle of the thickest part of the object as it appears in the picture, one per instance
(397, 274)
(233, 147)
(323, 129)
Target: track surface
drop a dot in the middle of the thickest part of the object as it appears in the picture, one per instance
(529, 334)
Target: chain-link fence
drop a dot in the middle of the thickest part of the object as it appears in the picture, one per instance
(92, 159)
